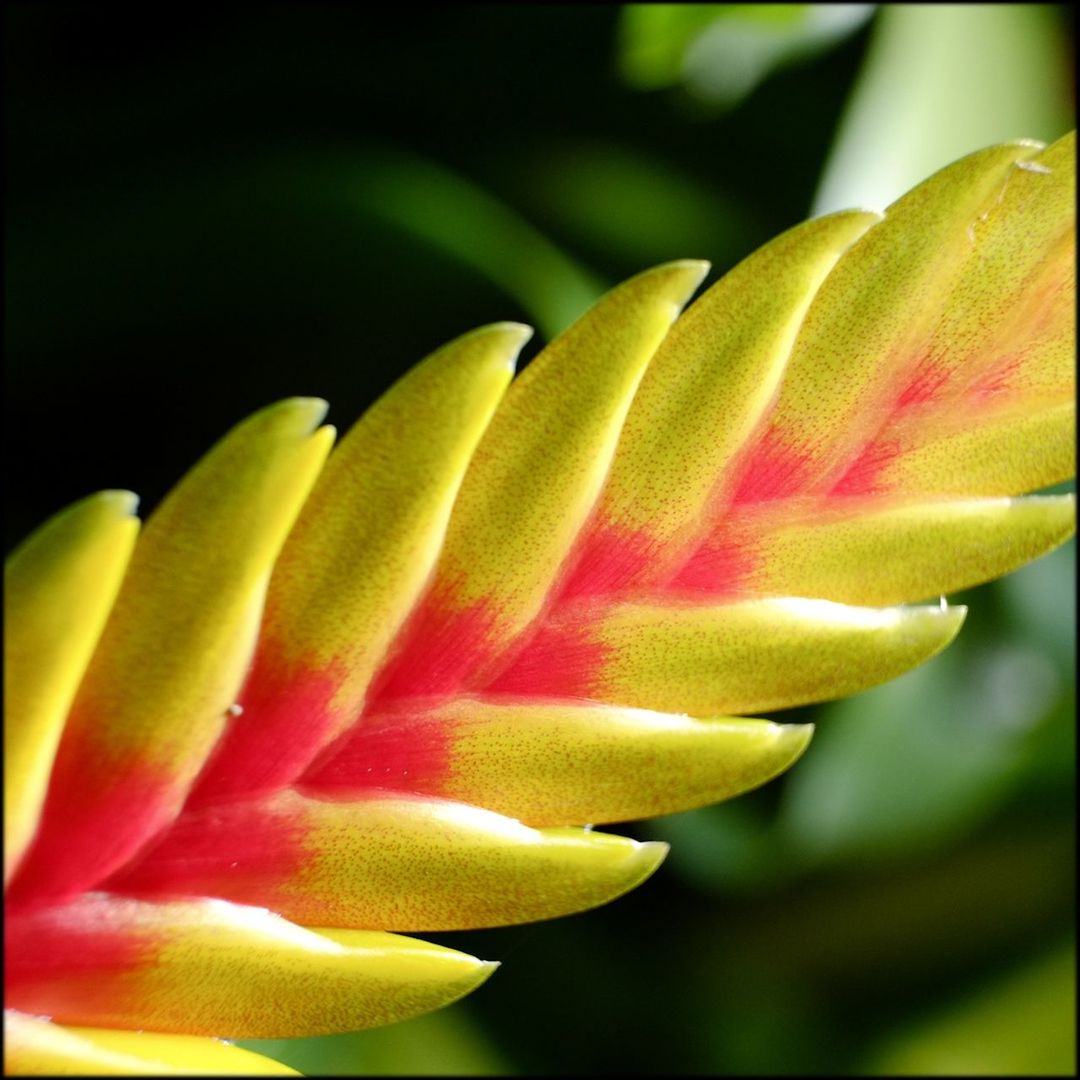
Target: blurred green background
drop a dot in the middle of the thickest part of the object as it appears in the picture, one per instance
(209, 208)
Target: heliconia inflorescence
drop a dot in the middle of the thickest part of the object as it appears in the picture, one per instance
(323, 697)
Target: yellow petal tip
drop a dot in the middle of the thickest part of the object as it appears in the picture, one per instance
(123, 503)
(794, 738)
(513, 329)
(648, 857)
(507, 338)
(485, 969)
(686, 275)
(953, 616)
(309, 411)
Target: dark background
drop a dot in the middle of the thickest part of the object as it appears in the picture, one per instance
(183, 245)
(212, 208)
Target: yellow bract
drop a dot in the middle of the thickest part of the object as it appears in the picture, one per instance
(206, 966)
(541, 464)
(372, 528)
(35, 1047)
(560, 764)
(869, 554)
(876, 313)
(409, 863)
(712, 377)
(59, 587)
(196, 584)
(759, 655)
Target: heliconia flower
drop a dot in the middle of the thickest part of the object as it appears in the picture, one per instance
(323, 699)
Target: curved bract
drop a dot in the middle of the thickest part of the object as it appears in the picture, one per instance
(327, 696)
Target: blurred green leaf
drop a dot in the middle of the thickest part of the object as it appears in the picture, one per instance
(620, 202)
(461, 218)
(941, 80)
(852, 952)
(1022, 1025)
(654, 37)
(247, 225)
(1032, 597)
(921, 920)
(442, 1043)
(727, 848)
(722, 51)
(917, 762)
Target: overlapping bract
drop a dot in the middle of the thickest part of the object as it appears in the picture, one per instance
(389, 689)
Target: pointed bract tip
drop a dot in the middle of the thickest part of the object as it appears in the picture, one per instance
(650, 854)
(952, 614)
(515, 331)
(683, 276)
(700, 266)
(694, 269)
(306, 413)
(522, 330)
(312, 409)
(517, 335)
(795, 738)
(854, 211)
(122, 503)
